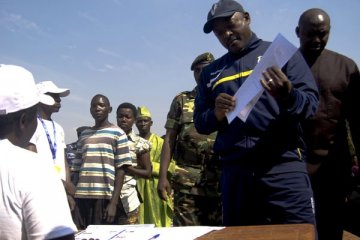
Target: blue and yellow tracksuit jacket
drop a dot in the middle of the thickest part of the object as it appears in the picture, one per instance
(271, 135)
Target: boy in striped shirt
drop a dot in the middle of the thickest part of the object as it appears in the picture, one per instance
(105, 156)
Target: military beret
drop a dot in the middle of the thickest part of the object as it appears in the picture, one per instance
(202, 58)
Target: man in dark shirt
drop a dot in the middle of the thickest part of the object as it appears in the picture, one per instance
(328, 158)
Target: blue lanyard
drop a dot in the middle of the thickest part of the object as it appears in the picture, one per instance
(53, 147)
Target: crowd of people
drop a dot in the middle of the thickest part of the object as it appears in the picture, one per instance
(293, 160)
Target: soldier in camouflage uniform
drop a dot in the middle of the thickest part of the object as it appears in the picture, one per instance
(196, 178)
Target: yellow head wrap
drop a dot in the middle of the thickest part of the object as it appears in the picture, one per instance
(143, 112)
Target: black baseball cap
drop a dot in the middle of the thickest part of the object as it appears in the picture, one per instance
(223, 8)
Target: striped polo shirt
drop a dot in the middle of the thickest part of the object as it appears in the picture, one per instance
(103, 151)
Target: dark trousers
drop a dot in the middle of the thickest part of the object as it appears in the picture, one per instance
(92, 211)
(254, 198)
(329, 209)
(330, 189)
(331, 184)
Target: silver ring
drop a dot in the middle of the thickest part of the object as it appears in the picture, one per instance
(270, 81)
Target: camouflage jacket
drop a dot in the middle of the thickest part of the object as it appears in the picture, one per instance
(193, 151)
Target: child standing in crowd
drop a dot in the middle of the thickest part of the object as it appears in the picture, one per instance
(105, 154)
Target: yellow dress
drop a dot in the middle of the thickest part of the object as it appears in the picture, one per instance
(153, 210)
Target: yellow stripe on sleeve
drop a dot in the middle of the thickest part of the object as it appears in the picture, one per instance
(232, 77)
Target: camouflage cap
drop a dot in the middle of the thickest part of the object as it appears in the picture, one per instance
(202, 58)
(143, 112)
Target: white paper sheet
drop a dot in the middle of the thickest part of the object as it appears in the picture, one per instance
(142, 232)
(278, 54)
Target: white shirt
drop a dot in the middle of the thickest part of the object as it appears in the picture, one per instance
(129, 194)
(40, 140)
(33, 203)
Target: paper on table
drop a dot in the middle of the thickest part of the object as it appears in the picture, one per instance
(143, 232)
(173, 233)
(278, 53)
(107, 232)
(186, 233)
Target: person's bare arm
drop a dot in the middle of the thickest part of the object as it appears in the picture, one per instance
(67, 169)
(110, 211)
(69, 187)
(144, 167)
(164, 188)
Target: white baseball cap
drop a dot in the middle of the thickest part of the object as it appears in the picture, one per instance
(18, 90)
(50, 87)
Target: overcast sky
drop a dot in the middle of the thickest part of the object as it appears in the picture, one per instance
(139, 51)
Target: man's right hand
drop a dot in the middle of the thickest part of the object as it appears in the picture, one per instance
(224, 103)
(163, 188)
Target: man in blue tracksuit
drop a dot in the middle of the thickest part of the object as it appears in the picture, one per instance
(264, 177)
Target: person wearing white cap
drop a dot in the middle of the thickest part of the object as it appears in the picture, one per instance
(49, 139)
(29, 208)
